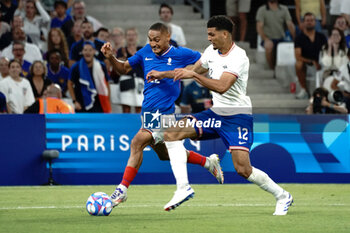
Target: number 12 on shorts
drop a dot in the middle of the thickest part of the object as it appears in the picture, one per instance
(245, 132)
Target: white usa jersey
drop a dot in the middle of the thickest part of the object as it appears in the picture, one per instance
(234, 100)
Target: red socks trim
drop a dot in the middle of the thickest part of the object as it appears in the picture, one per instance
(129, 175)
(196, 158)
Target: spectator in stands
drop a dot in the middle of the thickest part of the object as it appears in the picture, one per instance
(18, 52)
(117, 38)
(4, 27)
(342, 82)
(7, 38)
(4, 68)
(38, 79)
(237, 10)
(3, 107)
(271, 19)
(166, 13)
(8, 8)
(334, 10)
(56, 71)
(32, 52)
(79, 12)
(333, 55)
(342, 24)
(61, 15)
(317, 7)
(75, 52)
(57, 40)
(131, 84)
(88, 83)
(102, 34)
(76, 35)
(18, 92)
(36, 21)
(195, 98)
(307, 49)
(51, 102)
(117, 41)
(320, 104)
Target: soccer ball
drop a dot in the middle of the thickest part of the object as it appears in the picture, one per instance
(99, 204)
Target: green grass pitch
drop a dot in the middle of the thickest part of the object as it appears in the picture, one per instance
(215, 208)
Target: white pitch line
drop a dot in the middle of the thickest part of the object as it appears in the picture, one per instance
(152, 206)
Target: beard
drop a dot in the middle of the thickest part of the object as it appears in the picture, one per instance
(87, 35)
(309, 28)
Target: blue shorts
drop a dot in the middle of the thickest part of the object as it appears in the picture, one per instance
(236, 131)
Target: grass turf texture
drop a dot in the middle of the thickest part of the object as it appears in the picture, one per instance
(215, 208)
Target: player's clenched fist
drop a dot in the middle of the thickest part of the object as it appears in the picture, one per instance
(107, 50)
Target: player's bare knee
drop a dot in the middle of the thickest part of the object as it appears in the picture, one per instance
(137, 144)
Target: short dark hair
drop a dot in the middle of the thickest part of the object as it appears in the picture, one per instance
(309, 14)
(159, 27)
(101, 29)
(15, 60)
(85, 21)
(167, 6)
(221, 22)
(53, 51)
(60, 2)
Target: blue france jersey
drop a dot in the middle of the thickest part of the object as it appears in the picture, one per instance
(162, 94)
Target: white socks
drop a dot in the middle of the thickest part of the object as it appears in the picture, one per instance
(207, 163)
(178, 161)
(261, 179)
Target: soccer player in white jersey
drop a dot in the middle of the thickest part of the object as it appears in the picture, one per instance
(228, 67)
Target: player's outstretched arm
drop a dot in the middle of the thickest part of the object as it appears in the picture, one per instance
(220, 86)
(122, 67)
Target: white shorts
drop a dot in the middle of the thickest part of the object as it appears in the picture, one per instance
(237, 6)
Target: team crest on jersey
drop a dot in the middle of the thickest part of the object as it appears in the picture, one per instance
(24, 91)
(225, 67)
(169, 61)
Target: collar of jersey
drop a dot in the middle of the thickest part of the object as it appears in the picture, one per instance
(232, 47)
(167, 51)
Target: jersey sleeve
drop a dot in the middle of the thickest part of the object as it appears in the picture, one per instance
(72, 52)
(190, 56)
(204, 59)
(236, 67)
(136, 59)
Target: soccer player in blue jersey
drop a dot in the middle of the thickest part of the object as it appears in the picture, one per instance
(159, 99)
(228, 67)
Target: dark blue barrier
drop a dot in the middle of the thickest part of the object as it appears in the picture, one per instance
(22, 141)
(94, 149)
